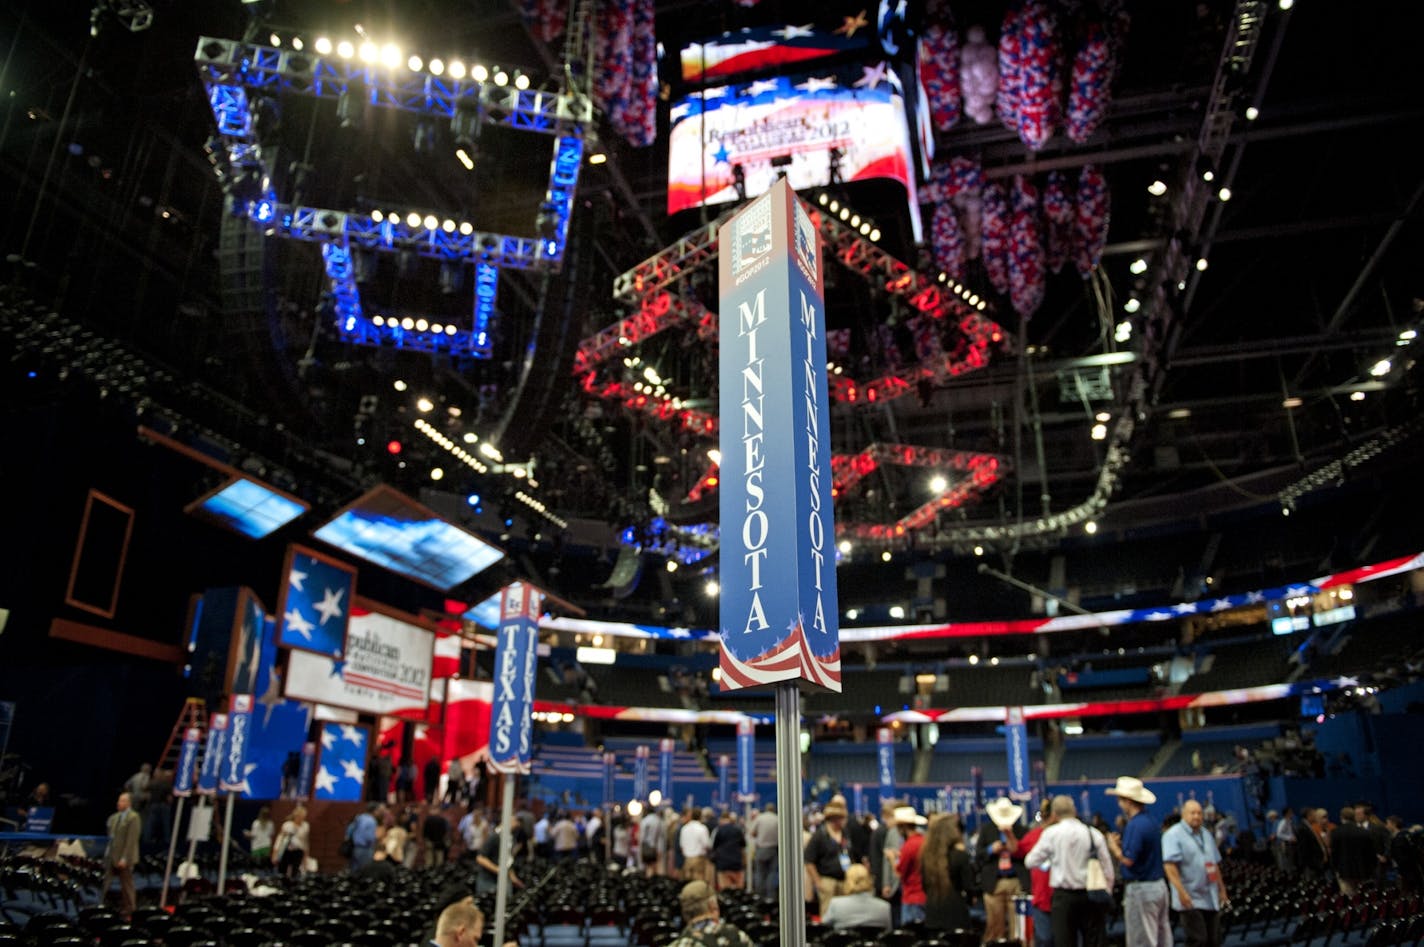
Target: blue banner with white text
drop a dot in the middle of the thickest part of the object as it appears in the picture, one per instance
(213, 753)
(885, 763)
(724, 779)
(746, 760)
(608, 759)
(186, 771)
(232, 776)
(516, 651)
(1016, 740)
(665, 749)
(640, 774)
(778, 581)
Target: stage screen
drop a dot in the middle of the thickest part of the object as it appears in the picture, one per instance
(390, 529)
(486, 613)
(248, 507)
(860, 111)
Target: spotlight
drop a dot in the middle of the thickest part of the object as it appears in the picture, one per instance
(377, 321)
(479, 73)
(1099, 432)
(1201, 264)
(466, 228)
(822, 198)
(465, 159)
(521, 81)
(1090, 527)
(412, 219)
(390, 55)
(1123, 332)
(369, 52)
(978, 550)
(1286, 4)
(672, 565)
(1157, 188)
(407, 323)
(275, 40)
(1408, 335)
(424, 405)
(414, 63)
(457, 69)
(974, 659)
(323, 46)
(447, 225)
(501, 77)
(1132, 305)
(437, 67)
(400, 385)
(711, 588)
(597, 157)
(431, 221)
(1357, 396)
(1292, 402)
(297, 43)
(1252, 113)
(885, 556)
(844, 546)
(938, 484)
(345, 50)
(377, 216)
(420, 326)
(1381, 368)
(1138, 266)
(875, 234)
(1103, 416)
(1224, 194)
(437, 474)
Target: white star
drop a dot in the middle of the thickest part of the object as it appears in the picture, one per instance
(1221, 605)
(871, 76)
(1295, 590)
(352, 770)
(296, 579)
(272, 696)
(814, 84)
(679, 111)
(245, 786)
(351, 733)
(298, 623)
(762, 85)
(715, 92)
(325, 780)
(330, 604)
(1347, 682)
(783, 100)
(1253, 598)
(792, 32)
(1186, 608)
(1158, 616)
(328, 738)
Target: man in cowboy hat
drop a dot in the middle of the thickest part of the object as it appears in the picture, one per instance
(827, 856)
(907, 866)
(1001, 873)
(1139, 850)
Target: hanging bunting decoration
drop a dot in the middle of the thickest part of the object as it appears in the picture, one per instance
(1037, 105)
(978, 76)
(1088, 90)
(996, 236)
(642, 110)
(1057, 220)
(939, 71)
(613, 79)
(946, 237)
(1011, 66)
(545, 18)
(1090, 222)
(1027, 280)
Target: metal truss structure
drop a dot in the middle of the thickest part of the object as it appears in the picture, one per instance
(239, 77)
(978, 473)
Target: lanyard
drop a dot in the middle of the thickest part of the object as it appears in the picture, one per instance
(1199, 839)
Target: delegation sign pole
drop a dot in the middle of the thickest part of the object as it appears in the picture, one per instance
(511, 719)
(778, 607)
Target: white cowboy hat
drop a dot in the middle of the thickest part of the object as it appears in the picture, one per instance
(1129, 787)
(1002, 812)
(906, 815)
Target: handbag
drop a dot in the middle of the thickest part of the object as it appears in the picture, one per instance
(1097, 881)
(347, 848)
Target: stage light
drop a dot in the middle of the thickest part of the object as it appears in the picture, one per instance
(431, 221)
(274, 39)
(1202, 264)
(835, 206)
(414, 63)
(1157, 188)
(465, 159)
(1102, 416)
(521, 81)
(424, 405)
(974, 659)
(399, 385)
(437, 473)
(1381, 368)
(938, 484)
(711, 588)
(297, 43)
(672, 565)
(1286, 4)
(865, 230)
(466, 228)
(345, 50)
(377, 216)
(1123, 332)
(501, 77)
(369, 52)
(885, 556)
(1132, 305)
(597, 157)
(412, 219)
(1252, 113)
(323, 46)
(407, 323)
(1099, 432)
(897, 611)
(845, 213)
(1408, 335)
(1224, 194)
(457, 69)
(1090, 527)
(390, 55)
(447, 225)
(822, 198)
(1138, 266)
(420, 326)
(450, 330)
(978, 550)
(875, 234)
(1292, 402)
(855, 220)
(393, 447)
(377, 321)
(492, 452)
(437, 328)
(479, 73)
(1357, 396)
(437, 67)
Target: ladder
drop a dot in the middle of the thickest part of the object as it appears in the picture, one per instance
(193, 714)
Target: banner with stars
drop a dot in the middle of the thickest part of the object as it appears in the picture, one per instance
(315, 603)
(386, 668)
(341, 762)
(765, 48)
(858, 112)
(279, 725)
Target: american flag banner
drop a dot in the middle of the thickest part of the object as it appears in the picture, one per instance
(341, 762)
(315, 602)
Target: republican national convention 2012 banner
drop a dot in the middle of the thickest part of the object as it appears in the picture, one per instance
(515, 654)
(1016, 741)
(385, 669)
(778, 594)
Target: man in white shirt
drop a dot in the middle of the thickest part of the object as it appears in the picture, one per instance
(1284, 838)
(593, 833)
(1066, 847)
(695, 842)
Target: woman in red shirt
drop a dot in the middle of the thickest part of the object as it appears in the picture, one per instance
(912, 887)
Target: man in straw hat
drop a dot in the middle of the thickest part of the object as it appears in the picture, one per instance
(1139, 850)
(1001, 874)
(827, 856)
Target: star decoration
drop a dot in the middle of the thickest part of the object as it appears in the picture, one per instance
(352, 771)
(722, 154)
(330, 604)
(1158, 616)
(679, 111)
(351, 733)
(1186, 608)
(1221, 605)
(1253, 598)
(815, 84)
(325, 780)
(244, 787)
(792, 32)
(762, 85)
(338, 668)
(298, 623)
(871, 76)
(272, 696)
(328, 739)
(716, 92)
(853, 23)
(296, 579)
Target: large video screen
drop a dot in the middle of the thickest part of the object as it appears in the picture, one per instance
(390, 529)
(249, 508)
(486, 613)
(797, 121)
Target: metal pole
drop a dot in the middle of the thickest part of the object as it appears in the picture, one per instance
(746, 834)
(172, 848)
(788, 804)
(506, 857)
(193, 839)
(226, 842)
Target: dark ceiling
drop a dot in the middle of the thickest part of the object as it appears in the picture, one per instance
(1242, 376)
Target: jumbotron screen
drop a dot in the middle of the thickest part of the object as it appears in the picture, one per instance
(795, 120)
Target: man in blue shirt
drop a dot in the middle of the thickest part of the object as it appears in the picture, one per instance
(1139, 850)
(1193, 867)
(363, 836)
